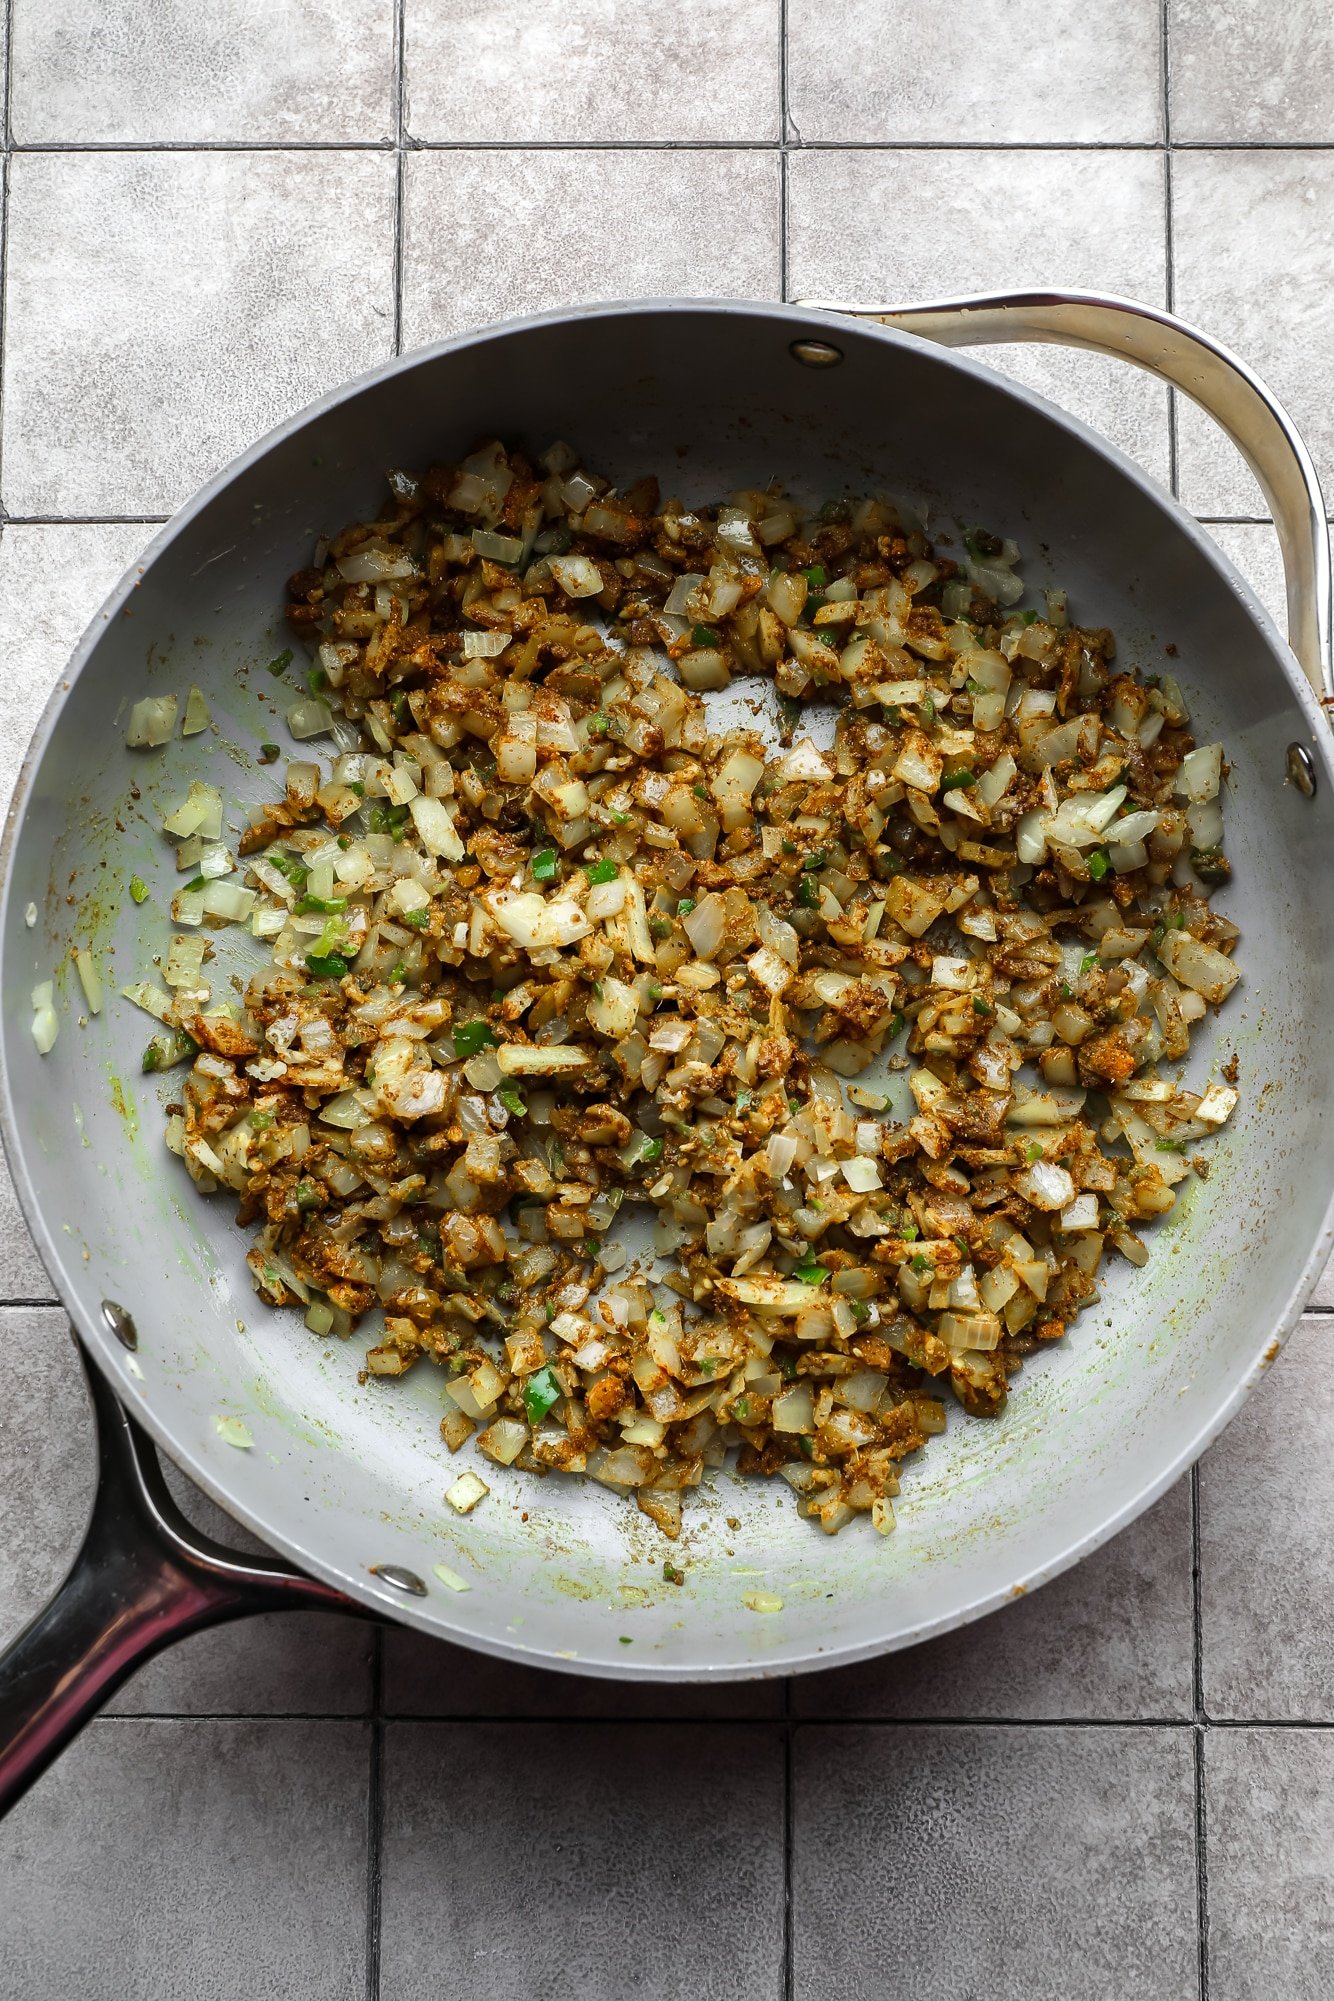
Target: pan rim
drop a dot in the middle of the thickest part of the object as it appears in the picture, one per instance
(105, 1353)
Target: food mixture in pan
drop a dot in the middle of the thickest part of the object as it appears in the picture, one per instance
(877, 1038)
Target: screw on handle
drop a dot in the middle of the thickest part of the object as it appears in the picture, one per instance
(1203, 369)
(143, 1578)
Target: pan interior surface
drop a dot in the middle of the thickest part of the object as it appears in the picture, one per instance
(344, 1476)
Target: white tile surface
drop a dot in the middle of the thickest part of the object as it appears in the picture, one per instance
(1254, 256)
(52, 580)
(165, 309)
(1005, 1865)
(214, 1860)
(688, 1904)
(583, 70)
(896, 226)
(1249, 70)
(1271, 1864)
(1033, 72)
(1266, 1527)
(149, 71)
(489, 235)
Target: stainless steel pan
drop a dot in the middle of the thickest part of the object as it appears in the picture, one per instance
(347, 1481)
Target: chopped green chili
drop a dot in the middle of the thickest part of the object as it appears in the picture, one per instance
(540, 1391)
(470, 1036)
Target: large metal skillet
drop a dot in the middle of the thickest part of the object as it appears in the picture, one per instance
(346, 1481)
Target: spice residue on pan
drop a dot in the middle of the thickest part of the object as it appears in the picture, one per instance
(547, 948)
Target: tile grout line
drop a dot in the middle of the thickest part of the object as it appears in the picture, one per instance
(93, 147)
(1201, 1865)
(399, 167)
(1169, 249)
(1196, 1597)
(788, 1971)
(782, 151)
(619, 1720)
(375, 1817)
(1198, 1734)
(6, 178)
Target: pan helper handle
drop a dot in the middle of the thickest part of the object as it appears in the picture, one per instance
(142, 1579)
(1203, 369)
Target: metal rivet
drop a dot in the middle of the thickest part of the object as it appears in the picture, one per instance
(816, 353)
(121, 1324)
(1301, 769)
(401, 1579)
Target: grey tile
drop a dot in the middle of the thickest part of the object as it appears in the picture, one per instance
(425, 1677)
(1270, 1821)
(22, 1274)
(46, 1459)
(992, 1864)
(1254, 260)
(488, 235)
(136, 71)
(1253, 547)
(1112, 1638)
(898, 70)
(957, 222)
(582, 1864)
(215, 1860)
(164, 309)
(290, 1662)
(1323, 1296)
(592, 70)
(52, 580)
(1266, 1533)
(1244, 69)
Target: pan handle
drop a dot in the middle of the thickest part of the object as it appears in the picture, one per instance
(142, 1579)
(1203, 369)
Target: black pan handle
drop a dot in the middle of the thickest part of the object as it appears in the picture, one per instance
(142, 1579)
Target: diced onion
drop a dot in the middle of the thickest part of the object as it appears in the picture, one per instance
(1201, 773)
(307, 719)
(45, 1023)
(89, 979)
(152, 722)
(196, 717)
(485, 645)
(371, 565)
(578, 576)
(227, 900)
(435, 828)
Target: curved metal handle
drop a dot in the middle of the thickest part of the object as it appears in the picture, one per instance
(142, 1579)
(1203, 369)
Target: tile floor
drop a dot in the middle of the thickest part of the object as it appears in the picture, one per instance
(1121, 1788)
